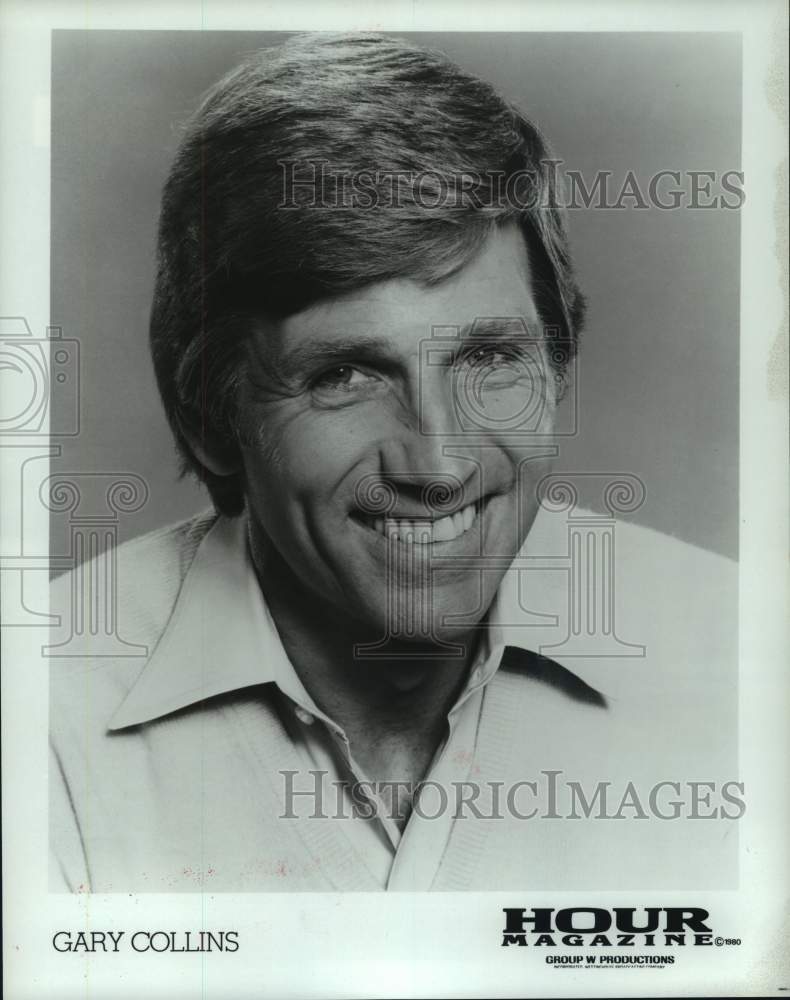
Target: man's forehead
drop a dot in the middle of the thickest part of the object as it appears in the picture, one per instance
(491, 295)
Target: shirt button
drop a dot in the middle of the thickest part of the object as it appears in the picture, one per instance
(477, 675)
(304, 716)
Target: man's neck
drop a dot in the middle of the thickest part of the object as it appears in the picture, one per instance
(393, 709)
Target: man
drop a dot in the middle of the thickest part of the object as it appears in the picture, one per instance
(363, 327)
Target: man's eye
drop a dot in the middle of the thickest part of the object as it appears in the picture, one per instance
(493, 355)
(343, 378)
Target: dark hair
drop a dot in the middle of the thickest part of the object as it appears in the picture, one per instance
(242, 236)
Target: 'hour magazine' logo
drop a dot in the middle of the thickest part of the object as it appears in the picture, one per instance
(626, 926)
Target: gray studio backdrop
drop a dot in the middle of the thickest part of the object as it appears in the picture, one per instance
(658, 372)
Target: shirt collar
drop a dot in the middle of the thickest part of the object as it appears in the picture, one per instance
(221, 636)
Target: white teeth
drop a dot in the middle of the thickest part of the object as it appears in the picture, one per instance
(444, 530)
(424, 532)
(423, 535)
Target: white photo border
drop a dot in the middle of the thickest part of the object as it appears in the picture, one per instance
(396, 945)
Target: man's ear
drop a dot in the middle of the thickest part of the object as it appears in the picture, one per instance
(222, 461)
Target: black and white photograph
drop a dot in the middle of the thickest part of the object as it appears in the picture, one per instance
(396, 502)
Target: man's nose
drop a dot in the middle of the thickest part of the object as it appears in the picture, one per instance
(430, 457)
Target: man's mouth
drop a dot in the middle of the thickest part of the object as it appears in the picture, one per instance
(424, 531)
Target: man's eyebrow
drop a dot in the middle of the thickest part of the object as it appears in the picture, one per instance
(315, 353)
(500, 326)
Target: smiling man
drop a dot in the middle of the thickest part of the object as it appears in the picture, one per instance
(363, 326)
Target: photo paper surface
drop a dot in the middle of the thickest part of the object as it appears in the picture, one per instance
(394, 502)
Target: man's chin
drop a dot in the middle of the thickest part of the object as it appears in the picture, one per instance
(413, 624)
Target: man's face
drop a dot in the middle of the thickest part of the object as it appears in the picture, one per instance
(384, 464)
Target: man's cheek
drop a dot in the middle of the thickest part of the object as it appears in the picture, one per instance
(319, 443)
